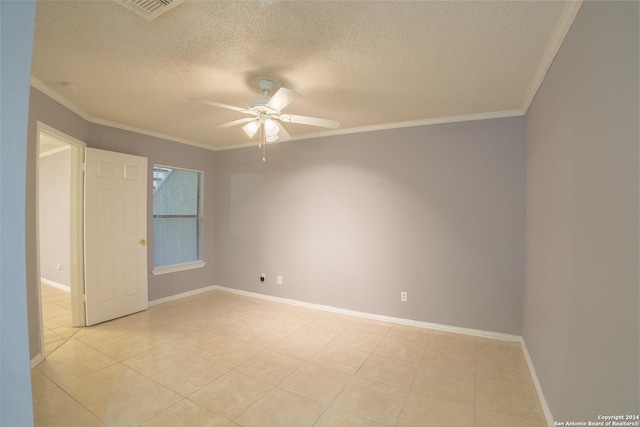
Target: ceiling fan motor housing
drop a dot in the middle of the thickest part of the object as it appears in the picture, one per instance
(266, 86)
(260, 107)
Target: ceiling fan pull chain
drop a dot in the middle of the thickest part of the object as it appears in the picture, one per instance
(263, 144)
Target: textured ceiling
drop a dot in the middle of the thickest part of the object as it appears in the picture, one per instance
(367, 64)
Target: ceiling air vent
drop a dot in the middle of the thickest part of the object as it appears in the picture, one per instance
(150, 9)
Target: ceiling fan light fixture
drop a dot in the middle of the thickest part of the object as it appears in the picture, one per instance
(271, 128)
(267, 114)
(251, 128)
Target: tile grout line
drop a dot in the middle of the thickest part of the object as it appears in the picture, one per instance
(404, 403)
(106, 367)
(284, 379)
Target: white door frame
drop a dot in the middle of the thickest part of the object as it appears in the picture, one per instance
(76, 225)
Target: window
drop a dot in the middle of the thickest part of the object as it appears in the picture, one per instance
(177, 219)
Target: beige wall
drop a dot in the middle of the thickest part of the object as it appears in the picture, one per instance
(581, 308)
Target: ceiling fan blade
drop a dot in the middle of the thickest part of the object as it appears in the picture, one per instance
(282, 98)
(283, 135)
(218, 104)
(235, 123)
(312, 121)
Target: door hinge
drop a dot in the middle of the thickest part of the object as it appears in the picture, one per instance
(84, 298)
(83, 167)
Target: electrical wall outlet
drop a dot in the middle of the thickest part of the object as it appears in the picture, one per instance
(279, 280)
(263, 277)
(403, 296)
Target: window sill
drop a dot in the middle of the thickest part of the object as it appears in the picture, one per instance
(178, 267)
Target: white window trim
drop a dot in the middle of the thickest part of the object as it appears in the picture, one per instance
(178, 267)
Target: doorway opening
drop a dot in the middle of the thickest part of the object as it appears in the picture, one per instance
(59, 231)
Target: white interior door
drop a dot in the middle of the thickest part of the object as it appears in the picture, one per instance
(115, 235)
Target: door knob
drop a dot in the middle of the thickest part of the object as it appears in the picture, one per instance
(143, 242)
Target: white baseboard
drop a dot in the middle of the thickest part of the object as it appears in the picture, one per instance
(398, 320)
(328, 308)
(182, 295)
(536, 382)
(60, 286)
(39, 358)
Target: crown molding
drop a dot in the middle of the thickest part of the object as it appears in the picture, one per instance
(141, 131)
(91, 119)
(389, 126)
(60, 99)
(562, 28)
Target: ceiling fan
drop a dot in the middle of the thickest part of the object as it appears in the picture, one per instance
(267, 113)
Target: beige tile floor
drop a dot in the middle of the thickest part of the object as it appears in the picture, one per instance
(56, 315)
(219, 359)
